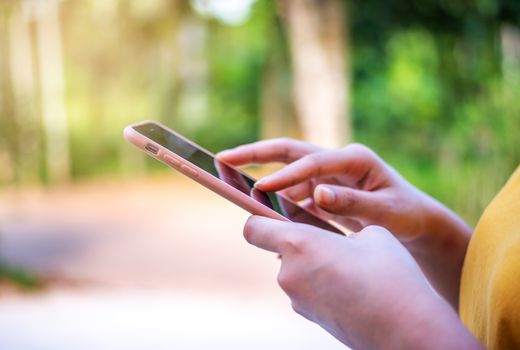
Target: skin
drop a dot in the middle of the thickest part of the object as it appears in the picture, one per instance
(337, 281)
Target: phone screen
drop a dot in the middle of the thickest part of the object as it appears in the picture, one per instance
(231, 176)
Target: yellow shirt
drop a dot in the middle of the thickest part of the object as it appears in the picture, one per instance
(490, 284)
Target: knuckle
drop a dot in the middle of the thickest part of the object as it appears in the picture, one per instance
(347, 199)
(287, 281)
(377, 230)
(393, 205)
(387, 208)
(358, 147)
(284, 142)
(360, 150)
(297, 308)
(311, 163)
(371, 228)
(295, 245)
(288, 146)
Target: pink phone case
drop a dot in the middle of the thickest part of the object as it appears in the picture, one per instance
(201, 176)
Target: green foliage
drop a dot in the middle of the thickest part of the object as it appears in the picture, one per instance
(18, 277)
(431, 95)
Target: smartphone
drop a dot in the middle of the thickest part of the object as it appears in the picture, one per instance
(190, 159)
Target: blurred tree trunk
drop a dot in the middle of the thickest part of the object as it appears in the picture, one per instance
(8, 146)
(24, 93)
(276, 109)
(193, 69)
(52, 90)
(319, 48)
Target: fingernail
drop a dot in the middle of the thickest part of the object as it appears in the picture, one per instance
(223, 154)
(262, 181)
(326, 195)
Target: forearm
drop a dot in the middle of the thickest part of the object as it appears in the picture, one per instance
(441, 249)
(429, 323)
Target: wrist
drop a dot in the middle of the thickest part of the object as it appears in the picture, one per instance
(441, 229)
(440, 250)
(428, 322)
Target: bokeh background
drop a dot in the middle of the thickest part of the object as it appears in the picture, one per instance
(103, 248)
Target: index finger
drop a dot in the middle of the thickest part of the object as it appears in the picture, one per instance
(353, 162)
(276, 150)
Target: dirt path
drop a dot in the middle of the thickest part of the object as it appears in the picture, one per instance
(155, 232)
(153, 263)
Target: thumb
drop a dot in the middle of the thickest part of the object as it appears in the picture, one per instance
(350, 202)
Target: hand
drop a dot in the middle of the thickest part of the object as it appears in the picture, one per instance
(286, 151)
(358, 188)
(365, 289)
(351, 182)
